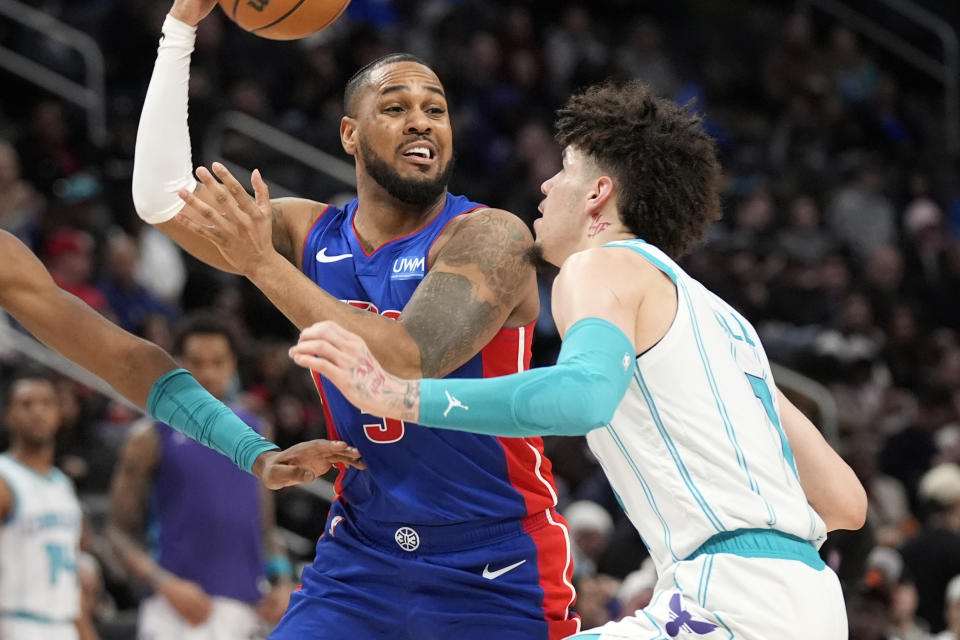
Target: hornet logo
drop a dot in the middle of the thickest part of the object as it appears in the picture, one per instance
(683, 619)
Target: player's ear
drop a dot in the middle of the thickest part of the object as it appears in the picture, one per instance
(348, 135)
(599, 195)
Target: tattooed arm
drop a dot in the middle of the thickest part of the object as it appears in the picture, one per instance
(479, 281)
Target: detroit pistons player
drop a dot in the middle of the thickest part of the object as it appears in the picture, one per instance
(447, 535)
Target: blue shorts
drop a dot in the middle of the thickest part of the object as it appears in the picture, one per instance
(506, 580)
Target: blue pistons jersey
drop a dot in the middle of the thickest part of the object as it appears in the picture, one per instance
(416, 474)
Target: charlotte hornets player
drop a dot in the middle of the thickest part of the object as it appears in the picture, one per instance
(41, 521)
(445, 534)
(730, 486)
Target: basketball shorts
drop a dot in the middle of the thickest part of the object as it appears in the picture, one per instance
(507, 580)
(724, 596)
(229, 620)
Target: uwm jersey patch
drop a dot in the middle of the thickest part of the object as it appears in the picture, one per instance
(416, 474)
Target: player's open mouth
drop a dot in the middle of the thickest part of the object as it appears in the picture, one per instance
(420, 154)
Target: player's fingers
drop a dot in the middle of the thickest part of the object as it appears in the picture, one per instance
(325, 349)
(287, 475)
(260, 190)
(233, 186)
(198, 225)
(321, 366)
(225, 205)
(200, 210)
(325, 330)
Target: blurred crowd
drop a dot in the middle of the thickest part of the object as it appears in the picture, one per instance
(840, 239)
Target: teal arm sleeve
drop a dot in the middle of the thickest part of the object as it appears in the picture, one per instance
(177, 399)
(578, 394)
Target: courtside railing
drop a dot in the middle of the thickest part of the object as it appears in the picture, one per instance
(945, 71)
(238, 123)
(91, 95)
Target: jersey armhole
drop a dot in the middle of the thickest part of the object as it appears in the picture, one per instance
(15, 502)
(306, 237)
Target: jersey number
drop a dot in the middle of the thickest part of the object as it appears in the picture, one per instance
(61, 559)
(385, 431)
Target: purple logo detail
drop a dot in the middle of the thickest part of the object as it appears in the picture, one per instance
(683, 619)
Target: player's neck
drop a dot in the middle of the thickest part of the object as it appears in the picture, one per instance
(604, 229)
(37, 457)
(381, 218)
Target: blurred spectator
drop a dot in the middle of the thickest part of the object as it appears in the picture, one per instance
(70, 259)
(909, 453)
(933, 556)
(48, 150)
(590, 528)
(637, 589)
(216, 532)
(641, 57)
(860, 214)
(20, 204)
(854, 74)
(794, 66)
(803, 237)
(130, 301)
(160, 269)
(573, 49)
(885, 572)
(952, 611)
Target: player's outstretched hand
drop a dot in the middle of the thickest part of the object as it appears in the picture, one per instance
(240, 226)
(192, 11)
(343, 358)
(304, 462)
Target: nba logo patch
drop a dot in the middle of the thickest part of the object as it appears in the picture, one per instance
(408, 268)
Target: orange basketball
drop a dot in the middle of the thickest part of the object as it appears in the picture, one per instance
(283, 19)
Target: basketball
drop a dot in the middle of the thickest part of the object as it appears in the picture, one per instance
(283, 19)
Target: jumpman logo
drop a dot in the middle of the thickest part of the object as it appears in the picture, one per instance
(683, 619)
(453, 404)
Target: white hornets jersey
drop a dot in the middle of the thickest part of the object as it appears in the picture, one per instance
(696, 447)
(38, 546)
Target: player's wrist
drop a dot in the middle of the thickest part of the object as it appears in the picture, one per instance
(157, 578)
(260, 464)
(179, 27)
(265, 268)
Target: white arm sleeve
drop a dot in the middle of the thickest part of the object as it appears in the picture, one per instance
(162, 161)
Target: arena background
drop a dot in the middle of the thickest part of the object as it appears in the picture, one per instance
(839, 131)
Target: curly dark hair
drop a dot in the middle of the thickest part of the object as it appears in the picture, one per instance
(664, 165)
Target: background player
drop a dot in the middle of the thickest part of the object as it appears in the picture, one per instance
(146, 375)
(211, 526)
(731, 487)
(455, 269)
(41, 522)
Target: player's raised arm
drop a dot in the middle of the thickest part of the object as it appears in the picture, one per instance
(162, 158)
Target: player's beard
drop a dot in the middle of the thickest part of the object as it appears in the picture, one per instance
(534, 255)
(417, 193)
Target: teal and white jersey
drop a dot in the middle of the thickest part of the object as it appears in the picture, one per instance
(696, 447)
(38, 545)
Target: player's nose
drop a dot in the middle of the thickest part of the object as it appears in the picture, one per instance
(418, 122)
